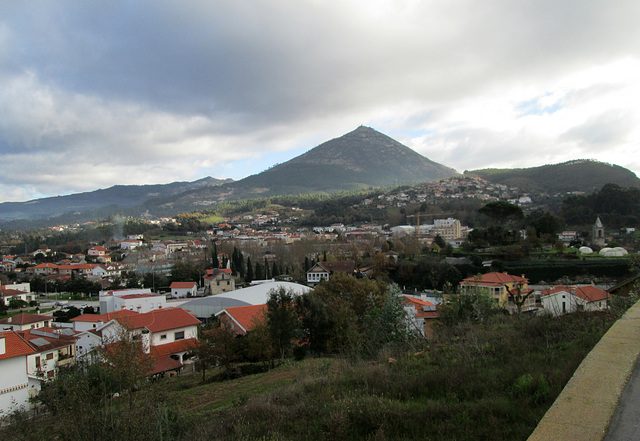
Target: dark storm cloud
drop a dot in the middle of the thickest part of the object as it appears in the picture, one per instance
(163, 90)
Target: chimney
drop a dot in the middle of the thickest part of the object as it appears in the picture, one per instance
(3, 347)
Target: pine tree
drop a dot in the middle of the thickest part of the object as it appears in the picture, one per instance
(214, 257)
(259, 273)
(249, 275)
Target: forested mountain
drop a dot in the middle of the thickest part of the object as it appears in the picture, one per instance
(116, 197)
(580, 175)
(360, 159)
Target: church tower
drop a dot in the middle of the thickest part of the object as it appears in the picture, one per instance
(597, 237)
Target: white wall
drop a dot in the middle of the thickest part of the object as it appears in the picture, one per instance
(14, 391)
(189, 332)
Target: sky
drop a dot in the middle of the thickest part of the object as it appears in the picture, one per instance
(99, 93)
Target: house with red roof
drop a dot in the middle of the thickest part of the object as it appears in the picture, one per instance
(166, 334)
(241, 318)
(219, 280)
(53, 348)
(159, 327)
(97, 251)
(560, 300)
(501, 287)
(181, 290)
(43, 269)
(24, 321)
(421, 315)
(14, 382)
(15, 291)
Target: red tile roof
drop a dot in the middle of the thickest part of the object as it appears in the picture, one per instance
(25, 318)
(589, 293)
(53, 340)
(164, 364)
(183, 285)
(495, 278)
(136, 296)
(11, 292)
(160, 320)
(418, 305)
(14, 345)
(174, 347)
(244, 316)
(104, 317)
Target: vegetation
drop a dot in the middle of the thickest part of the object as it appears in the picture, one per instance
(487, 377)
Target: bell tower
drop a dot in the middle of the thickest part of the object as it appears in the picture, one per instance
(597, 236)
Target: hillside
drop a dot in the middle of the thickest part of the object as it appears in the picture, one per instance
(116, 197)
(360, 159)
(580, 175)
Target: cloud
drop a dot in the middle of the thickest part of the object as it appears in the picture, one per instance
(100, 93)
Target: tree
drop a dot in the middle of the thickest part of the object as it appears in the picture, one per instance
(282, 320)
(214, 256)
(249, 274)
(518, 296)
(315, 321)
(547, 223)
(259, 274)
(204, 353)
(501, 211)
(385, 323)
(127, 355)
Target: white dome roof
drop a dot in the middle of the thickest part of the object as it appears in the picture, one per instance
(585, 250)
(613, 252)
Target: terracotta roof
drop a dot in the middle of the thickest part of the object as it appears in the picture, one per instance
(183, 285)
(11, 292)
(14, 345)
(214, 271)
(42, 341)
(494, 278)
(589, 293)
(419, 305)
(25, 318)
(174, 347)
(47, 265)
(136, 296)
(244, 315)
(164, 364)
(160, 320)
(104, 317)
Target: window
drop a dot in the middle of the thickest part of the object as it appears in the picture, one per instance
(163, 337)
(179, 335)
(50, 356)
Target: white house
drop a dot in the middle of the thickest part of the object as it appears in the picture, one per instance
(14, 382)
(24, 321)
(323, 270)
(561, 300)
(130, 244)
(18, 291)
(52, 350)
(183, 289)
(174, 327)
(139, 300)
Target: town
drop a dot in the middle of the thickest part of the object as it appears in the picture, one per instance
(174, 299)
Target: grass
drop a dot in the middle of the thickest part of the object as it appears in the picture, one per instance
(476, 381)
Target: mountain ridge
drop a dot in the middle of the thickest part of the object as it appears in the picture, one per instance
(363, 158)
